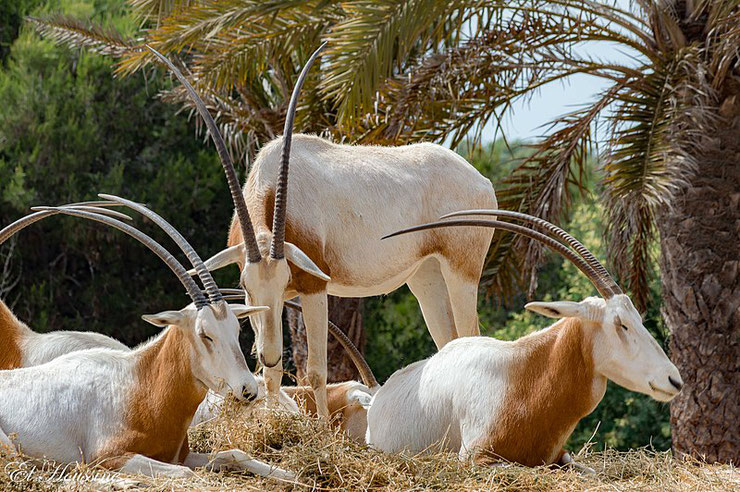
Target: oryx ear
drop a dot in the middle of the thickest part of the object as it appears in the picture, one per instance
(165, 318)
(297, 257)
(242, 311)
(234, 254)
(557, 309)
(364, 398)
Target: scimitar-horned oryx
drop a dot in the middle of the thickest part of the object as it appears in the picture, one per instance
(325, 239)
(520, 401)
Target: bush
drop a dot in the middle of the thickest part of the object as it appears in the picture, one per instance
(69, 130)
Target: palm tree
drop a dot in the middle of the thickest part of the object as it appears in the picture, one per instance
(400, 71)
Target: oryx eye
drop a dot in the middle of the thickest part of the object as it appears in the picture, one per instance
(206, 337)
(624, 327)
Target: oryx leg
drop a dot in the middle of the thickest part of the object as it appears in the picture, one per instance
(316, 318)
(463, 292)
(566, 459)
(140, 464)
(5, 441)
(236, 460)
(273, 379)
(428, 286)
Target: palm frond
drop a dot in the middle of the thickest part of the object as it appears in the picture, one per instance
(236, 36)
(659, 125)
(156, 10)
(723, 40)
(447, 96)
(542, 186)
(77, 34)
(368, 46)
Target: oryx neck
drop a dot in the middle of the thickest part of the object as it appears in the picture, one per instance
(166, 394)
(551, 386)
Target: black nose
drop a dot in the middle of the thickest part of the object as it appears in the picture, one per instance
(248, 395)
(676, 384)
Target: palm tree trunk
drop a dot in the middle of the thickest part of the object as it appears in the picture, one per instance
(346, 313)
(699, 268)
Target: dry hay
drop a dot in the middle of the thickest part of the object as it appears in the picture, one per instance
(326, 460)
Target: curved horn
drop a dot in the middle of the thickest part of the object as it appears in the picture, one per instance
(281, 192)
(368, 378)
(552, 229)
(214, 294)
(253, 252)
(29, 219)
(579, 262)
(193, 291)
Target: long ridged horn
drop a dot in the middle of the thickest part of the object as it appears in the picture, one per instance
(552, 229)
(368, 378)
(214, 295)
(8, 231)
(192, 288)
(277, 247)
(250, 241)
(579, 262)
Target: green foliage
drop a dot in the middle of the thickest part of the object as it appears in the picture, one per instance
(11, 19)
(69, 130)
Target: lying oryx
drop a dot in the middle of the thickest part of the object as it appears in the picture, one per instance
(326, 238)
(130, 410)
(520, 401)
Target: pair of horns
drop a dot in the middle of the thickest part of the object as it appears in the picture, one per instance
(366, 374)
(580, 256)
(281, 193)
(96, 211)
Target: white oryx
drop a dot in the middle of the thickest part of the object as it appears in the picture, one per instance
(520, 401)
(326, 238)
(130, 410)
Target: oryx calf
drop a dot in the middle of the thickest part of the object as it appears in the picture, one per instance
(325, 239)
(520, 401)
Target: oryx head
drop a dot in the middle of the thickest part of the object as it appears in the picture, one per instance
(216, 357)
(264, 275)
(623, 349)
(209, 324)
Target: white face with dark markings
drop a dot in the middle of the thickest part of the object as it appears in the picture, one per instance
(217, 359)
(623, 349)
(264, 284)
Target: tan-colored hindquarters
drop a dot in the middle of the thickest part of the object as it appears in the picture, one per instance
(551, 387)
(164, 398)
(11, 330)
(340, 411)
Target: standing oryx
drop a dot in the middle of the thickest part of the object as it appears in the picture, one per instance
(320, 234)
(130, 410)
(520, 401)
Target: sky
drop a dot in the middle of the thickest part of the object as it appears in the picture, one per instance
(524, 119)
